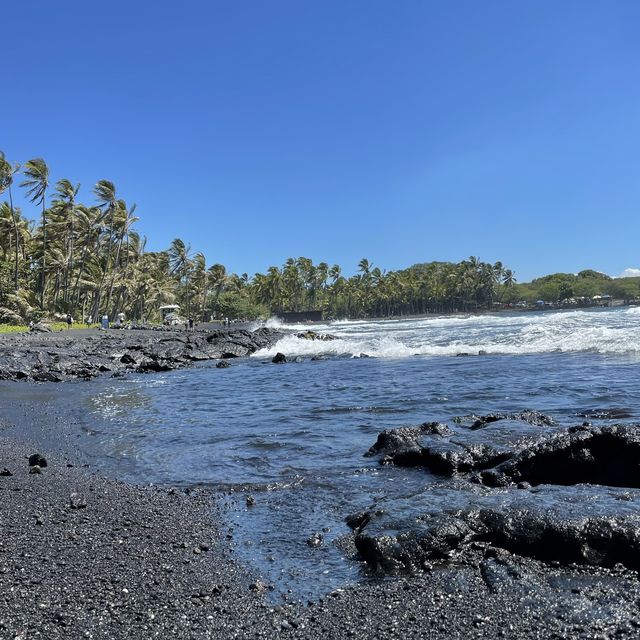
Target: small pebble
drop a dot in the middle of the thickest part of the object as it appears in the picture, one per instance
(77, 501)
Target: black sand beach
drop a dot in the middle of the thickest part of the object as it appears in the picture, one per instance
(85, 556)
(136, 562)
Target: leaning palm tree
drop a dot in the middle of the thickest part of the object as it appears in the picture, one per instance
(180, 264)
(63, 208)
(36, 182)
(7, 170)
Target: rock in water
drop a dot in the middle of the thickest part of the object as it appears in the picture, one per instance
(279, 358)
(315, 540)
(223, 364)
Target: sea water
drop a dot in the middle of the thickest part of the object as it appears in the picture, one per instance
(293, 436)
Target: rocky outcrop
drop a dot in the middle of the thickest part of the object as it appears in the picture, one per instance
(549, 524)
(312, 335)
(608, 455)
(55, 357)
(444, 451)
(530, 417)
(568, 495)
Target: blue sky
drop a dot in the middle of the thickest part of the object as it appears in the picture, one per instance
(398, 131)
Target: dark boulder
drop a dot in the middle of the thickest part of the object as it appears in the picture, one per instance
(549, 524)
(312, 335)
(37, 459)
(530, 417)
(445, 452)
(404, 439)
(608, 455)
(279, 358)
(223, 364)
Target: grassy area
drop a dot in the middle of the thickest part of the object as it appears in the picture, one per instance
(55, 326)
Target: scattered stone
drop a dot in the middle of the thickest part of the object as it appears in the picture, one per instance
(279, 358)
(77, 501)
(223, 364)
(258, 586)
(5, 472)
(37, 460)
(250, 501)
(35, 469)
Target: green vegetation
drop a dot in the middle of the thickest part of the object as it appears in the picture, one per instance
(88, 260)
(581, 288)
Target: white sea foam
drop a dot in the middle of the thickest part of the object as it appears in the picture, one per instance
(603, 331)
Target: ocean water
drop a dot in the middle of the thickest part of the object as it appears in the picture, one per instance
(293, 436)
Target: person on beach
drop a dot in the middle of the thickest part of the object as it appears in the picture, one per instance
(190, 324)
(69, 321)
(89, 319)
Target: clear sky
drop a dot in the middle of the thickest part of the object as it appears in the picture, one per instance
(401, 131)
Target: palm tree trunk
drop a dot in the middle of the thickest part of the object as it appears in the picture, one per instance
(16, 271)
(44, 255)
(113, 277)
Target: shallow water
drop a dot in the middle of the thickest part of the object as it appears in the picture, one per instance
(293, 436)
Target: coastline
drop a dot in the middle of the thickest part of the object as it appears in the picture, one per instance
(88, 353)
(64, 572)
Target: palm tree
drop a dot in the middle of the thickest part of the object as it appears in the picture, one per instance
(36, 182)
(217, 279)
(179, 264)
(7, 171)
(63, 208)
(88, 230)
(120, 231)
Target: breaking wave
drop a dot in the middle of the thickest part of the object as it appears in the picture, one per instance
(613, 331)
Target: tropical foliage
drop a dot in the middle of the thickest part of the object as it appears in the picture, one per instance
(87, 259)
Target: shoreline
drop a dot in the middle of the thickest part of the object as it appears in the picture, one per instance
(64, 571)
(89, 353)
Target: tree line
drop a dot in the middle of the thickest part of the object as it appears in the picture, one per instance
(89, 260)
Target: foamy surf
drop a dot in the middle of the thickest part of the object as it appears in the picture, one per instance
(613, 331)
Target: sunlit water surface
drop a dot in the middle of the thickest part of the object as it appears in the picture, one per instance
(293, 436)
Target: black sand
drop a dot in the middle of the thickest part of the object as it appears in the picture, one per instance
(83, 556)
